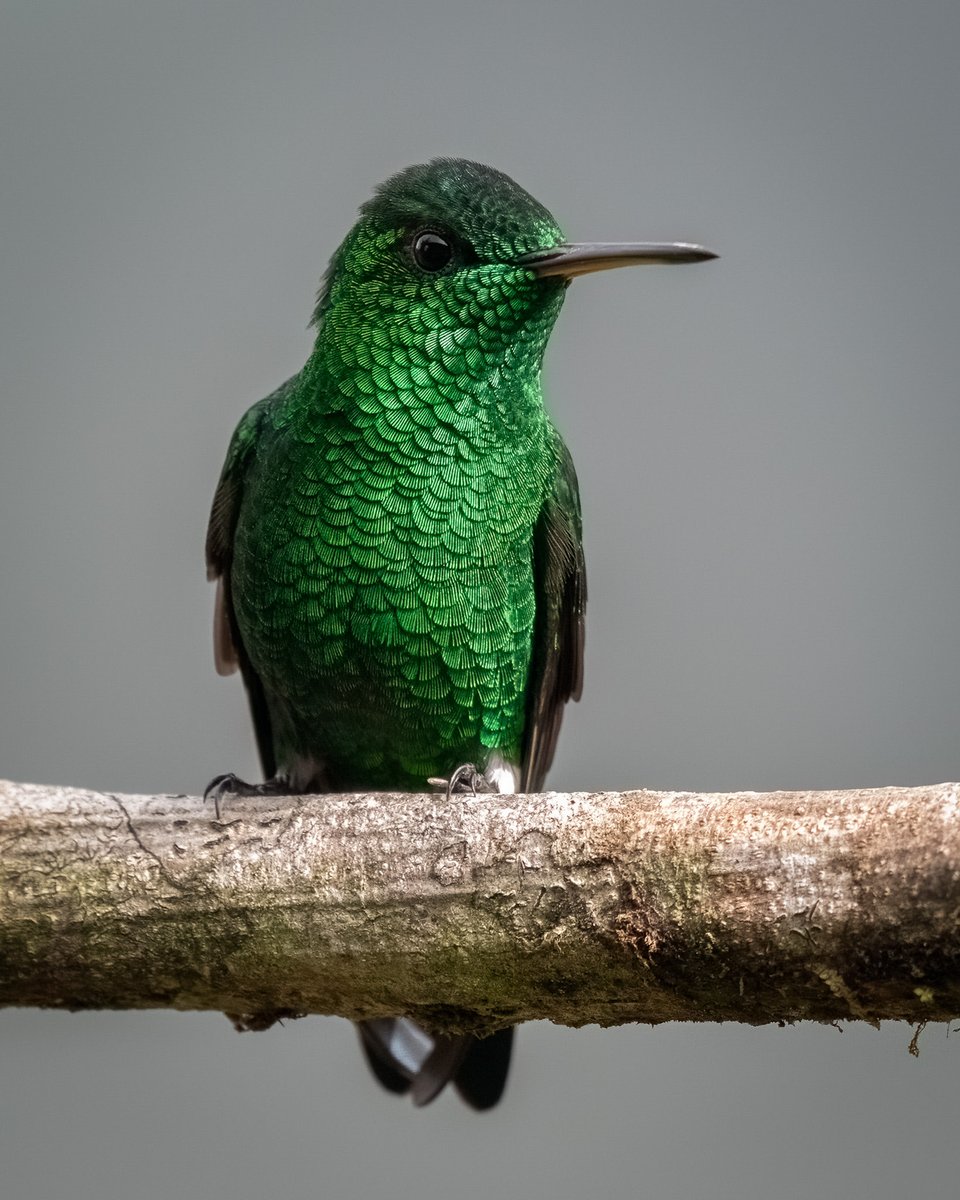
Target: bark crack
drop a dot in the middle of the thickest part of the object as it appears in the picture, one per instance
(135, 834)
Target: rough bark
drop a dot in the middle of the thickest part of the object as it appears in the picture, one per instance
(483, 911)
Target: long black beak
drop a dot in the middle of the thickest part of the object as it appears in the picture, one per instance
(579, 258)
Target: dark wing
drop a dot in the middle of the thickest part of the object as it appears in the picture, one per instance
(560, 579)
(228, 650)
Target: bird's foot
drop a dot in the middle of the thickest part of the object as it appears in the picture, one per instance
(465, 780)
(233, 785)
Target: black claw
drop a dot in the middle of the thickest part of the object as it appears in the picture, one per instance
(233, 785)
(466, 779)
(220, 784)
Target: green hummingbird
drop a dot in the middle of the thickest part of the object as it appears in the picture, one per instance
(396, 534)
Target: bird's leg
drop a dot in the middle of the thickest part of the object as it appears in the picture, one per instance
(465, 780)
(232, 785)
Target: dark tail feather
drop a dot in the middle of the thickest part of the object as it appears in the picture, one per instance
(380, 1063)
(440, 1067)
(483, 1075)
(405, 1058)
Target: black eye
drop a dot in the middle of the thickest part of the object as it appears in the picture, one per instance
(432, 251)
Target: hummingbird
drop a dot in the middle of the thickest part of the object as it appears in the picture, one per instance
(396, 534)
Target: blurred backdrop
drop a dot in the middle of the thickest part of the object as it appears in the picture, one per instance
(767, 449)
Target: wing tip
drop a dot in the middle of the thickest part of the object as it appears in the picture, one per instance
(225, 657)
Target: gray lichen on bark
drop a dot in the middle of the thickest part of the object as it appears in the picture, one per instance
(479, 912)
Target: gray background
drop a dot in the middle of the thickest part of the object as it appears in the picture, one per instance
(767, 449)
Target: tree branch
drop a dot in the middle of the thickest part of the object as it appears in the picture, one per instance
(483, 911)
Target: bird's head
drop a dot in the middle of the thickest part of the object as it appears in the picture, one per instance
(453, 267)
